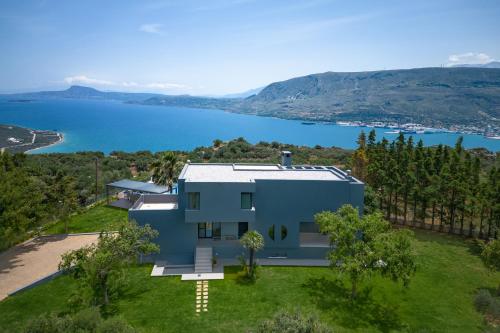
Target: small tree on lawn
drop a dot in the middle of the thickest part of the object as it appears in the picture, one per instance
(367, 245)
(253, 241)
(97, 265)
(491, 255)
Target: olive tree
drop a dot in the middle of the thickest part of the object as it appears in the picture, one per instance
(97, 264)
(366, 245)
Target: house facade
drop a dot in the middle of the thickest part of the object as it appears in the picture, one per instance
(217, 203)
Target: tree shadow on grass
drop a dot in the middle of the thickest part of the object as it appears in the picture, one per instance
(333, 296)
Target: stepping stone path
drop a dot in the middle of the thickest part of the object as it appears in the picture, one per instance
(201, 296)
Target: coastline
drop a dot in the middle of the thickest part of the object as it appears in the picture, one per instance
(26, 140)
(59, 140)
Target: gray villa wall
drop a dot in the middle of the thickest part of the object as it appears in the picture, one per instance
(280, 203)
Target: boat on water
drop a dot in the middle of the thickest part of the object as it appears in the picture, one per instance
(308, 123)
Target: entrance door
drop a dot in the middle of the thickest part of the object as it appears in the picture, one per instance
(205, 230)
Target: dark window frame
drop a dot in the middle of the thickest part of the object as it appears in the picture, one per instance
(196, 205)
(242, 201)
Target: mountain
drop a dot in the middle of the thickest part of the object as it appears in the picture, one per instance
(431, 96)
(81, 92)
(493, 64)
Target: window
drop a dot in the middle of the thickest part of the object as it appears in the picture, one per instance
(194, 200)
(284, 232)
(242, 228)
(270, 232)
(246, 200)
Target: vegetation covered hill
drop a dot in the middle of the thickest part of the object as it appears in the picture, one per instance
(432, 96)
(79, 92)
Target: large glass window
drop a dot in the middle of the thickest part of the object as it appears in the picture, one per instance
(246, 200)
(193, 200)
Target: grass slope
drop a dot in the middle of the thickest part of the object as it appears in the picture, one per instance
(439, 298)
(98, 218)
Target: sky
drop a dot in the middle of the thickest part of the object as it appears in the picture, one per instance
(220, 47)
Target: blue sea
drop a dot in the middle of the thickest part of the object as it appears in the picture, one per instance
(110, 126)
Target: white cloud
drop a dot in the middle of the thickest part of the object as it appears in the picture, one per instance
(82, 79)
(166, 86)
(152, 28)
(130, 84)
(469, 58)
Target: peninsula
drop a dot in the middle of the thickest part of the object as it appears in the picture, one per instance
(19, 139)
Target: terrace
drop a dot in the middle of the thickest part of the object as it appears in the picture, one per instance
(156, 202)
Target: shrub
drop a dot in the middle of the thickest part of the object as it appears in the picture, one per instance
(487, 304)
(85, 321)
(292, 323)
(483, 300)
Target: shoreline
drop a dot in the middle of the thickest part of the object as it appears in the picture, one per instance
(31, 144)
(59, 140)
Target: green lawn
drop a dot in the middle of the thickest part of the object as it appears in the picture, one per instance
(439, 299)
(97, 218)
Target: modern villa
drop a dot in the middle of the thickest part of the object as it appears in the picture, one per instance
(217, 203)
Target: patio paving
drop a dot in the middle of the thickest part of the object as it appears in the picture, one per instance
(36, 259)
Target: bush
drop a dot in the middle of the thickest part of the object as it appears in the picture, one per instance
(85, 321)
(483, 300)
(284, 322)
(487, 304)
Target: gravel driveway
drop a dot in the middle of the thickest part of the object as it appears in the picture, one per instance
(35, 259)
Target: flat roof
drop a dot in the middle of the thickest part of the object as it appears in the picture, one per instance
(134, 185)
(219, 172)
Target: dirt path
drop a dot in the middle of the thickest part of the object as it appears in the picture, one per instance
(35, 259)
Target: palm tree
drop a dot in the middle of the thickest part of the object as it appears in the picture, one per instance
(164, 169)
(253, 241)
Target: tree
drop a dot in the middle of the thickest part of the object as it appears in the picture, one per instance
(253, 241)
(95, 265)
(359, 159)
(362, 246)
(64, 192)
(292, 323)
(217, 143)
(164, 169)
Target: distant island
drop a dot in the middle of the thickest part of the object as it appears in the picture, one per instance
(17, 139)
(464, 99)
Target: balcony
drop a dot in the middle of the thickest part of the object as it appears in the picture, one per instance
(156, 202)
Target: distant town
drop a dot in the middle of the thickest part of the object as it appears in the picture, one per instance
(490, 132)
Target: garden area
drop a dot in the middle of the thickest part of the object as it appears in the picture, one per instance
(440, 297)
(94, 219)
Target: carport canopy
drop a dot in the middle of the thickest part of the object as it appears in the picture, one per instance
(142, 187)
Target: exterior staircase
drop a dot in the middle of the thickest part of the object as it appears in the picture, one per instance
(203, 260)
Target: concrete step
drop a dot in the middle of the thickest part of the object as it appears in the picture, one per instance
(203, 260)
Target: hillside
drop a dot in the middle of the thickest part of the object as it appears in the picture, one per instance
(432, 96)
(79, 92)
